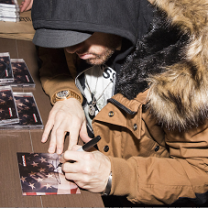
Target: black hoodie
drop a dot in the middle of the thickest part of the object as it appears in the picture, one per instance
(129, 19)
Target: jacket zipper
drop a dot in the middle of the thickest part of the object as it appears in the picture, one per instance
(119, 105)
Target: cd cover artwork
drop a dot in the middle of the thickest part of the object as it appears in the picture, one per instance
(29, 116)
(6, 73)
(22, 76)
(41, 175)
(8, 110)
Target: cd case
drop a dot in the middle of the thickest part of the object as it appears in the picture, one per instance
(9, 11)
(22, 76)
(8, 108)
(29, 116)
(40, 174)
(8, 14)
(9, 5)
(6, 73)
(8, 19)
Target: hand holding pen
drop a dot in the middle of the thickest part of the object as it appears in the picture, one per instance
(89, 170)
(87, 146)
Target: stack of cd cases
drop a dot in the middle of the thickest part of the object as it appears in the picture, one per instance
(14, 72)
(9, 10)
(18, 110)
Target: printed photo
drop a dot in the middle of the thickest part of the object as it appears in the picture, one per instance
(40, 174)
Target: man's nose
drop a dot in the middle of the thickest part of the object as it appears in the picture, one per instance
(73, 49)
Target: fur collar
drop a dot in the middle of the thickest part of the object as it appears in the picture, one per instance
(172, 61)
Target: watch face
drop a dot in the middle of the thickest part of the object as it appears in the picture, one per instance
(62, 94)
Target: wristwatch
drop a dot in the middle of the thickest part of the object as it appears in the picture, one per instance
(64, 95)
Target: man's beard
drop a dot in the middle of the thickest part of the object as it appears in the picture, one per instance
(100, 59)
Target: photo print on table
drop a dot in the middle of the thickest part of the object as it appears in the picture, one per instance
(6, 73)
(40, 175)
(8, 109)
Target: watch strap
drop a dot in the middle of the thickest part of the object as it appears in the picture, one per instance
(71, 94)
(108, 186)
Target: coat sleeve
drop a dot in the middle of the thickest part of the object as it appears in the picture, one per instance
(159, 181)
(57, 71)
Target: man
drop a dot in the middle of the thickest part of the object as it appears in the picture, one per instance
(114, 38)
(153, 146)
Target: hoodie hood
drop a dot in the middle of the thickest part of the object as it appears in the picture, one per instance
(128, 19)
(172, 61)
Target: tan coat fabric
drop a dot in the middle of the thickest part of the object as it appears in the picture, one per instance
(151, 165)
(57, 71)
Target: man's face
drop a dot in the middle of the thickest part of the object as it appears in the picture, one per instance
(97, 49)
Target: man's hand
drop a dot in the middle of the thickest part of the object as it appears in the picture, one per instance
(65, 116)
(90, 170)
(26, 5)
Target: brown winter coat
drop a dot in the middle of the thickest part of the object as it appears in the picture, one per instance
(158, 141)
(151, 165)
(57, 71)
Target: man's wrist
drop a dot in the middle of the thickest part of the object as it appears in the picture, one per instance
(64, 95)
(108, 186)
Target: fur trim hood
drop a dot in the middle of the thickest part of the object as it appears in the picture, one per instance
(172, 61)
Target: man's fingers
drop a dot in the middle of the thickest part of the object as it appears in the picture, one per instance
(47, 130)
(57, 135)
(52, 145)
(60, 135)
(82, 180)
(83, 133)
(21, 4)
(90, 170)
(29, 6)
(65, 116)
(73, 137)
(71, 155)
(24, 6)
(53, 141)
(49, 125)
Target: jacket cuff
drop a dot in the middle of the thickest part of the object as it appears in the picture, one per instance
(60, 83)
(124, 177)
